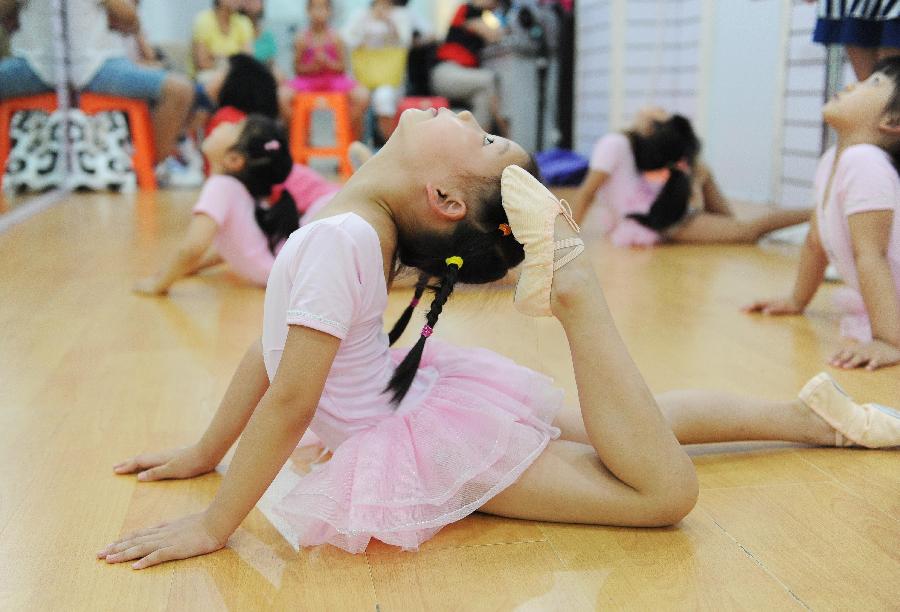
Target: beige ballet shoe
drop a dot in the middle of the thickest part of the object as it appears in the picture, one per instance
(868, 425)
(532, 212)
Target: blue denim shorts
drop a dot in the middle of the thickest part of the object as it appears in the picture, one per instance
(18, 80)
(117, 77)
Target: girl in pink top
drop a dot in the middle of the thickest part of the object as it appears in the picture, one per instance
(319, 63)
(653, 188)
(422, 437)
(232, 221)
(856, 225)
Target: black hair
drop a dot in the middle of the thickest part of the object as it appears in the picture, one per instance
(890, 67)
(487, 253)
(249, 86)
(267, 162)
(669, 142)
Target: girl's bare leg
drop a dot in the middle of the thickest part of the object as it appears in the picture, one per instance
(698, 417)
(633, 472)
(709, 228)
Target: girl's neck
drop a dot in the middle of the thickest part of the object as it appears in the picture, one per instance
(318, 27)
(857, 135)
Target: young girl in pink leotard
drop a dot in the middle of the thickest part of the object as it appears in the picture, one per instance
(422, 437)
(319, 63)
(255, 197)
(856, 224)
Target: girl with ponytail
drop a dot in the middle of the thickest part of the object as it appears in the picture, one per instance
(654, 188)
(423, 437)
(238, 218)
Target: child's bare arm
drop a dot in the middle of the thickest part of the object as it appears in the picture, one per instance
(247, 386)
(813, 261)
(301, 66)
(190, 253)
(586, 192)
(203, 57)
(277, 424)
(336, 65)
(870, 233)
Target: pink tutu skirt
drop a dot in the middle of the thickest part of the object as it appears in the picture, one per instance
(625, 232)
(323, 82)
(481, 424)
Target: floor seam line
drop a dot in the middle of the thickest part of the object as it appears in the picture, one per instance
(759, 562)
(39, 204)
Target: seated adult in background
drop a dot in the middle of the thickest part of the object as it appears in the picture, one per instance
(459, 75)
(379, 38)
(219, 32)
(654, 188)
(422, 53)
(97, 61)
(265, 47)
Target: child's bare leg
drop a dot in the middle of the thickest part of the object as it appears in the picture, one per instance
(709, 228)
(359, 102)
(633, 472)
(698, 417)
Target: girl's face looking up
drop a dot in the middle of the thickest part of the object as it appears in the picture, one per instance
(860, 104)
(440, 141)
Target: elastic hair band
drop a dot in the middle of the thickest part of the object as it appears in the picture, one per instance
(504, 227)
(454, 261)
(414, 303)
(427, 331)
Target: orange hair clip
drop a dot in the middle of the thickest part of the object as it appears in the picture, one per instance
(504, 227)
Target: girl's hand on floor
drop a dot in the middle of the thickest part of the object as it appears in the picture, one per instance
(784, 306)
(870, 355)
(187, 537)
(169, 464)
(147, 286)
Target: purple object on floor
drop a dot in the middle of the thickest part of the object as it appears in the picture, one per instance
(560, 167)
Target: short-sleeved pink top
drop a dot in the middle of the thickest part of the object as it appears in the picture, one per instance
(329, 276)
(240, 241)
(626, 191)
(864, 180)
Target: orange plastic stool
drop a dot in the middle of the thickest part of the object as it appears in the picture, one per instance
(141, 131)
(421, 103)
(304, 106)
(41, 102)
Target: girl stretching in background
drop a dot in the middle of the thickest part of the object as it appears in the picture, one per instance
(655, 189)
(232, 221)
(855, 226)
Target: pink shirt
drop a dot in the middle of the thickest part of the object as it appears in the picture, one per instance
(864, 181)
(329, 276)
(239, 241)
(626, 191)
(307, 186)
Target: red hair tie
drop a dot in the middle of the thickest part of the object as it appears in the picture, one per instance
(504, 227)
(427, 331)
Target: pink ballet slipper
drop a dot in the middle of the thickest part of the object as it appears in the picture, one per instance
(532, 212)
(868, 425)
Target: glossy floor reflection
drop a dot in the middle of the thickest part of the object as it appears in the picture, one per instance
(92, 374)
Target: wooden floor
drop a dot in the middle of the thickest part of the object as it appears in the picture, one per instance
(92, 374)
